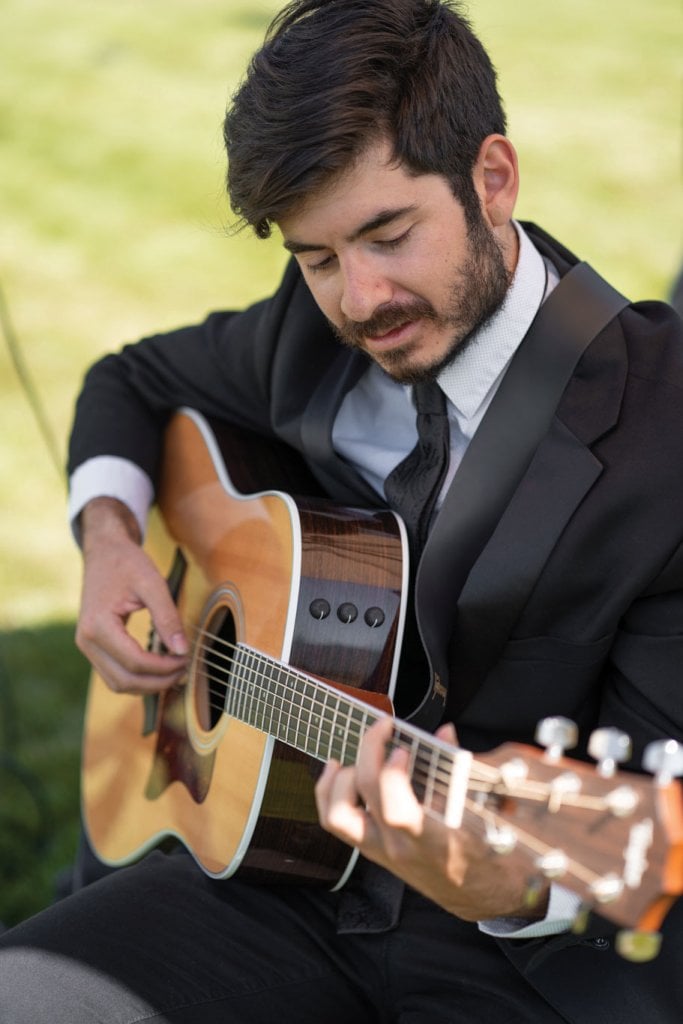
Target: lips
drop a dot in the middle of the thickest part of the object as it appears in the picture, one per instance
(392, 336)
(389, 324)
(380, 335)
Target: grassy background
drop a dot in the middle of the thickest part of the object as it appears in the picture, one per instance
(113, 223)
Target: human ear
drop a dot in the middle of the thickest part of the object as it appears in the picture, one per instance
(496, 179)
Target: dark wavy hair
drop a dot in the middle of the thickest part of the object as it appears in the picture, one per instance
(334, 76)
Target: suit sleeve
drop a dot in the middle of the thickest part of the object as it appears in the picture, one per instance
(645, 691)
(221, 367)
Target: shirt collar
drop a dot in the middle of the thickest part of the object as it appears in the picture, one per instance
(468, 380)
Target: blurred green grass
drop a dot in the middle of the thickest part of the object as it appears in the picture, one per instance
(113, 224)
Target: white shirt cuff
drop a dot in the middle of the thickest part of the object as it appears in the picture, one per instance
(108, 476)
(563, 907)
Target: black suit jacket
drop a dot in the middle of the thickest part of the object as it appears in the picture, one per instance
(574, 604)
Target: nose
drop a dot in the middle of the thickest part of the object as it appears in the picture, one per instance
(364, 290)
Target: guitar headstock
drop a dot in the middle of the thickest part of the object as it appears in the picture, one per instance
(613, 837)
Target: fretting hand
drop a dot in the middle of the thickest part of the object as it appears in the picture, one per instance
(372, 806)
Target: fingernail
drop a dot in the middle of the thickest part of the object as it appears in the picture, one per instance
(178, 644)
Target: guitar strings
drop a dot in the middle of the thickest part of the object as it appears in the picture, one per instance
(436, 778)
(424, 771)
(288, 706)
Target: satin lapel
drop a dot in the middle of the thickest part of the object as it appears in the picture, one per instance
(561, 473)
(513, 495)
(316, 428)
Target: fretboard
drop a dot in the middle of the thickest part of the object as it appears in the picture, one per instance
(313, 717)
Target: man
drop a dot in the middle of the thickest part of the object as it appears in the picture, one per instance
(372, 135)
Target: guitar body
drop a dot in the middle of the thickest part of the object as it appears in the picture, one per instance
(313, 585)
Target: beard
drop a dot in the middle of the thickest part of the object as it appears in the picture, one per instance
(477, 291)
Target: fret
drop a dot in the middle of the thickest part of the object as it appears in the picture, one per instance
(287, 711)
(420, 765)
(292, 707)
(278, 694)
(239, 696)
(313, 720)
(251, 688)
(325, 737)
(335, 738)
(305, 713)
(431, 774)
(359, 717)
(295, 715)
(239, 704)
(412, 757)
(257, 689)
(232, 684)
(269, 705)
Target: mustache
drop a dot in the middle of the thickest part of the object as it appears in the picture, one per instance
(385, 319)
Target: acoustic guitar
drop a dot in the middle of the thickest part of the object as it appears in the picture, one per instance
(295, 609)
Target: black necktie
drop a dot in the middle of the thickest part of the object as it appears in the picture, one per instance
(413, 486)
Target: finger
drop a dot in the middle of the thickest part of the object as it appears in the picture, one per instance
(123, 681)
(156, 597)
(339, 808)
(125, 666)
(372, 755)
(399, 808)
(323, 786)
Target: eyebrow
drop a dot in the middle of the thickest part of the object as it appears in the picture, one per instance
(379, 220)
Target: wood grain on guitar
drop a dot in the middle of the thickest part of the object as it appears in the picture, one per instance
(227, 763)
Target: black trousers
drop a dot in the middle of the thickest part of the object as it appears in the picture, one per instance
(162, 942)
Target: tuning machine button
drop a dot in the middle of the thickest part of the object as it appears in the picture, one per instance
(556, 734)
(664, 758)
(638, 947)
(610, 747)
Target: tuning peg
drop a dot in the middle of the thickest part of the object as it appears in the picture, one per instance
(639, 947)
(610, 747)
(501, 838)
(562, 786)
(556, 734)
(664, 758)
(552, 864)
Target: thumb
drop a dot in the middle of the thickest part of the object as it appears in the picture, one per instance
(168, 625)
(447, 733)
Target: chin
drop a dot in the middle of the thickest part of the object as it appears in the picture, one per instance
(408, 368)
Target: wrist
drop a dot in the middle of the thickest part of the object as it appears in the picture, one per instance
(107, 518)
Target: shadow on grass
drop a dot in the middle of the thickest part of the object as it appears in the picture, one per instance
(43, 680)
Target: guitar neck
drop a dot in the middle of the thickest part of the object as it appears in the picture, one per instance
(514, 797)
(317, 719)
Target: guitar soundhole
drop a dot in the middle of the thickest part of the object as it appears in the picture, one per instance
(214, 678)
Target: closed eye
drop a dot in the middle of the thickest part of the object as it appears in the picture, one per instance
(387, 244)
(393, 243)
(324, 264)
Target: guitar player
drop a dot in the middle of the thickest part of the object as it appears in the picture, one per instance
(428, 352)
